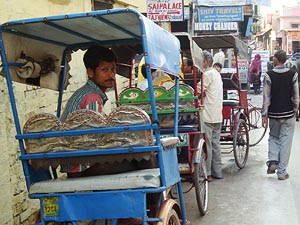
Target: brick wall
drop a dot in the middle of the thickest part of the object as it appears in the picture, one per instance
(15, 207)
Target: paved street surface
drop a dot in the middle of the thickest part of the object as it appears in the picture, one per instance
(250, 196)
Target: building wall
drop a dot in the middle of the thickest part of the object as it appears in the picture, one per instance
(289, 16)
(282, 26)
(15, 207)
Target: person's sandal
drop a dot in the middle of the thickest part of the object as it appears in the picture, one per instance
(209, 178)
(272, 166)
(286, 176)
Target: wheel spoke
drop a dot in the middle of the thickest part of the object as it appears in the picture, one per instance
(201, 185)
(241, 143)
(256, 131)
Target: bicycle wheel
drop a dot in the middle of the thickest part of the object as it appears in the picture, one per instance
(201, 185)
(256, 130)
(241, 143)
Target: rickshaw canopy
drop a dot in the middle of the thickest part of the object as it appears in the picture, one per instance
(223, 41)
(190, 49)
(126, 31)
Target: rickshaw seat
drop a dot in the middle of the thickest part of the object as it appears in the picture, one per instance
(147, 178)
(231, 103)
(87, 119)
(164, 102)
(230, 81)
(228, 105)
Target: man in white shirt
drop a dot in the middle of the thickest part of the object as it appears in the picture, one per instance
(219, 57)
(144, 84)
(212, 115)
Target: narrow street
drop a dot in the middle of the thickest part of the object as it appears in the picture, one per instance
(250, 196)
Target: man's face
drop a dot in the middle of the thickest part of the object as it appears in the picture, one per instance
(275, 61)
(205, 63)
(218, 68)
(104, 76)
(186, 67)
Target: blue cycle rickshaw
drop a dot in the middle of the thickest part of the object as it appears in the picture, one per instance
(127, 133)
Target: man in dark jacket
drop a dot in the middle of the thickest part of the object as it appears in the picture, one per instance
(280, 105)
(297, 54)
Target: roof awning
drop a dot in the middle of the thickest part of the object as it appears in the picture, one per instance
(263, 32)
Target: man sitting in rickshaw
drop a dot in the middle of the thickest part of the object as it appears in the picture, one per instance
(144, 84)
(100, 63)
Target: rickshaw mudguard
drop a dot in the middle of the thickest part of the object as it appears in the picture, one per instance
(166, 207)
(199, 152)
(237, 116)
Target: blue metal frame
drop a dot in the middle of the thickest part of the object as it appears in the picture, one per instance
(161, 51)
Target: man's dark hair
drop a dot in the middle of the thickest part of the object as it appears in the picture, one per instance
(97, 54)
(218, 65)
(189, 62)
(144, 71)
(254, 70)
(297, 50)
(280, 55)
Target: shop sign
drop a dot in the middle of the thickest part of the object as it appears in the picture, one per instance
(165, 10)
(264, 56)
(221, 14)
(216, 26)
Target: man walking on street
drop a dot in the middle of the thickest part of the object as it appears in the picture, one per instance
(280, 105)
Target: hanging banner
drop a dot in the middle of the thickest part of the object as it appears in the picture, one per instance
(221, 14)
(165, 10)
(266, 3)
(221, 3)
(233, 2)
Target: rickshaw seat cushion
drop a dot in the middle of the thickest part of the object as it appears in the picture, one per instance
(146, 178)
(169, 141)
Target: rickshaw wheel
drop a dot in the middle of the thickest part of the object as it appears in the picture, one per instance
(256, 130)
(169, 213)
(172, 218)
(201, 185)
(241, 143)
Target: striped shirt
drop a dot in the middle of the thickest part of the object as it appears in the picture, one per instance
(88, 96)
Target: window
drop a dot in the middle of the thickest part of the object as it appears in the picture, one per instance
(102, 4)
(295, 25)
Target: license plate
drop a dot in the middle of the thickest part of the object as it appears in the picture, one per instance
(51, 207)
